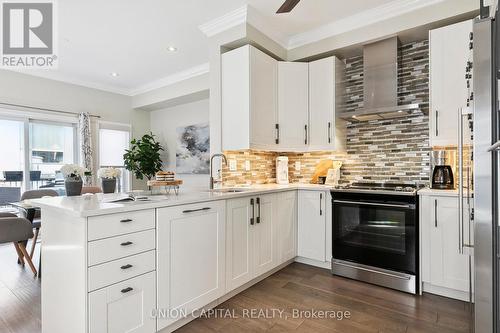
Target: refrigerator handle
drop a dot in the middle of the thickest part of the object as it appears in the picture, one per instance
(460, 182)
(495, 146)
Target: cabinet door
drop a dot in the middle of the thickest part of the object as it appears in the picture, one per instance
(293, 105)
(239, 240)
(191, 256)
(124, 307)
(286, 212)
(449, 53)
(263, 99)
(448, 267)
(235, 95)
(312, 225)
(322, 102)
(265, 249)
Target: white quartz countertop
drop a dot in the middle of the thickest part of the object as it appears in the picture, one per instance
(436, 192)
(98, 204)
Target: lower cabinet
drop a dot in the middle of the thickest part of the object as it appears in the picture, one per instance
(445, 267)
(312, 225)
(286, 220)
(251, 231)
(124, 307)
(191, 257)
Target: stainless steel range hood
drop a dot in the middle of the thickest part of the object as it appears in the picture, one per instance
(380, 86)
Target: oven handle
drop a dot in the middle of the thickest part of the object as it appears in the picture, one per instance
(373, 204)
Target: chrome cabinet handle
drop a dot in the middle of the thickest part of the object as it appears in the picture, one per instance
(195, 210)
(329, 132)
(435, 213)
(253, 212)
(126, 220)
(320, 204)
(437, 123)
(126, 290)
(258, 210)
(277, 126)
(305, 131)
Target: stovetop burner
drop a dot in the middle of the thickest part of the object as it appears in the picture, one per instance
(384, 187)
(380, 187)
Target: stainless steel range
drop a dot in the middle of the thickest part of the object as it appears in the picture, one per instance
(375, 234)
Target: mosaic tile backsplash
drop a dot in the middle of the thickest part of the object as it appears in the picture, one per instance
(379, 150)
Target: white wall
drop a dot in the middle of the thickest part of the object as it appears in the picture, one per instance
(164, 123)
(18, 88)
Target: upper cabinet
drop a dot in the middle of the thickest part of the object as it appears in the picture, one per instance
(249, 99)
(449, 53)
(280, 106)
(293, 102)
(326, 76)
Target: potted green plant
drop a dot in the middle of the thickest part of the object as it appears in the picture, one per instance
(143, 157)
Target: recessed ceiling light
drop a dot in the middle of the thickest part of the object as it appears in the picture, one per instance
(400, 111)
(171, 48)
(114, 74)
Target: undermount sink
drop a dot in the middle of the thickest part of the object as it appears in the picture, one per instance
(229, 190)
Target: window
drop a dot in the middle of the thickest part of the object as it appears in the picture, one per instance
(113, 141)
(34, 152)
(52, 145)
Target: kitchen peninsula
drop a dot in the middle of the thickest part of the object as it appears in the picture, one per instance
(115, 265)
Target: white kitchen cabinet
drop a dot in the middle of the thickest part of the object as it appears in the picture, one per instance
(286, 220)
(312, 225)
(249, 99)
(239, 239)
(265, 248)
(191, 256)
(293, 100)
(325, 98)
(449, 53)
(445, 270)
(124, 307)
(251, 232)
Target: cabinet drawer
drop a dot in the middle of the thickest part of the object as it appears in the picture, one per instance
(119, 224)
(124, 307)
(115, 271)
(108, 249)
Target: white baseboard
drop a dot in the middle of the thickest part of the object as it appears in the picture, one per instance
(312, 262)
(446, 292)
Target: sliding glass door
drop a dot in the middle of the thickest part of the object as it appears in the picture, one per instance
(32, 153)
(51, 146)
(12, 156)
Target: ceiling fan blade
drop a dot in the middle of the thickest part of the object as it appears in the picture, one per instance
(287, 6)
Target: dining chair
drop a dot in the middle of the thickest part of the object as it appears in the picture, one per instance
(37, 221)
(91, 190)
(17, 230)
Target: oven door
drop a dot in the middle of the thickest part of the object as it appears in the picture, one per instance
(375, 230)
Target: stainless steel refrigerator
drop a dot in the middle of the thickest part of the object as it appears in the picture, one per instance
(486, 160)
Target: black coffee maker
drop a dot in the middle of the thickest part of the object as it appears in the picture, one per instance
(442, 173)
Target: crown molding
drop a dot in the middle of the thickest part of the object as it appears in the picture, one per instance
(224, 22)
(259, 22)
(171, 79)
(64, 78)
(362, 19)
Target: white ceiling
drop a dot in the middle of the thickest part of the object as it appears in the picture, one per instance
(131, 37)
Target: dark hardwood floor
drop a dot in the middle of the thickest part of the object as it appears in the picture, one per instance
(296, 287)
